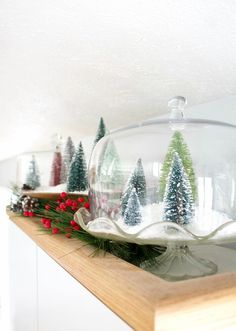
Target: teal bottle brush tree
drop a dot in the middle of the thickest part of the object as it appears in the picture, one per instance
(136, 181)
(78, 174)
(178, 198)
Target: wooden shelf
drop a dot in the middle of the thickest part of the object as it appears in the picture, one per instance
(143, 300)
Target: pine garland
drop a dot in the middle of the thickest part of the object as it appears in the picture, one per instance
(59, 215)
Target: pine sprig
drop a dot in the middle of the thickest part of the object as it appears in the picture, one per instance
(130, 252)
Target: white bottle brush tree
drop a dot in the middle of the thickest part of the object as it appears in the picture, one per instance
(136, 181)
(178, 199)
(33, 177)
(78, 174)
(110, 172)
(68, 154)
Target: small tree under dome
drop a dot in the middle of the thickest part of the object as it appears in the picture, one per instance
(178, 200)
(178, 145)
(132, 214)
(136, 180)
(33, 177)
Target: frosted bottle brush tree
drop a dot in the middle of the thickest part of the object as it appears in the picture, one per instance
(132, 214)
(178, 199)
(33, 177)
(55, 178)
(138, 182)
(178, 145)
(78, 177)
(68, 153)
(110, 172)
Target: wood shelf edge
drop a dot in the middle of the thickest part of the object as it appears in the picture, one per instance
(141, 299)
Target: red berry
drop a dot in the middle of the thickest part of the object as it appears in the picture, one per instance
(77, 227)
(43, 220)
(69, 202)
(31, 214)
(80, 200)
(74, 208)
(58, 201)
(62, 206)
(26, 213)
(74, 203)
(63, 195)
(47, 207)
(55, 231)
(73, 223)
(87, 205)
(47, 224)
(68, 235)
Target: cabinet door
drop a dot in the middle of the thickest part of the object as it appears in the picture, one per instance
(64, 304)
(22, 281)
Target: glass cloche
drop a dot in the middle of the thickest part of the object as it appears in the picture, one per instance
(166, 182)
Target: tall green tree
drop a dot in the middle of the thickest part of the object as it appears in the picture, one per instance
(78, 175)
(136, 181)
(33, 177)
(101, 131)
(132, 215)
(68, 154)
(178, 199)
(110, 172)
(178, 145)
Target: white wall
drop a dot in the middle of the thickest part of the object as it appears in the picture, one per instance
(8, 172)
(220, 110)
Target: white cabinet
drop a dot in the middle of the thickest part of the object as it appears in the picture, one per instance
(44, 297)
(64, 304)
(22, 280)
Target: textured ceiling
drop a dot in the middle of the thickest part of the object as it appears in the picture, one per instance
(65, 63)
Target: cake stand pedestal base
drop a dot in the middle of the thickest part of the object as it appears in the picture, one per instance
(179, 263)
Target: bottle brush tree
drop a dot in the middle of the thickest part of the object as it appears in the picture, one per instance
(78, 175)
(66, 159)
(132, 214)
(178, 199)
(178, 145)
(136, 180)
(33, 177)
(110, 172)
(101, 131)
(55, 178)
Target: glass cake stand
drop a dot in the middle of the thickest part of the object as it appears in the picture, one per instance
(179, 261)
(169, 182)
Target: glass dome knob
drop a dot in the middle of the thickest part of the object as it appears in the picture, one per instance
(176, 106)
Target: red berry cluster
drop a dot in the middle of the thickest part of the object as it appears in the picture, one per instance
(66, 204)
(47, 223)
(75, 226)
(28, 213)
